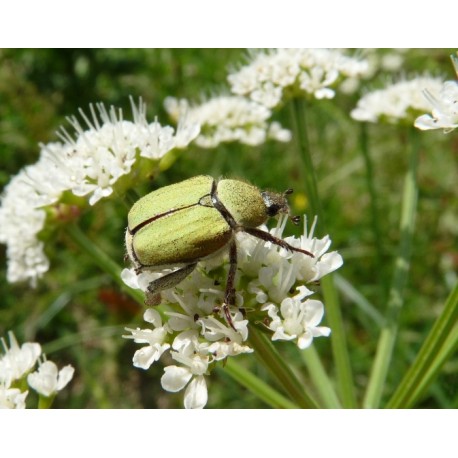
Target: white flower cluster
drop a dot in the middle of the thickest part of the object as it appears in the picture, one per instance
(17, 363)
(228, 119)
(193, 327)
(268, 74)
(444, 105)
(88, 165)
(397, 101)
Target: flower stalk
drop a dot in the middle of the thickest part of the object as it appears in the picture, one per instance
(389, 331)
(257, 386)
(276, 365)
(334, 315)
(441, 342)
(102, 260)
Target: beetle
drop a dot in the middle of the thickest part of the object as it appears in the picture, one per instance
(181, 224)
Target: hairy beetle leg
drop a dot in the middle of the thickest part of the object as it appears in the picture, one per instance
(170, 280)
(229, 297)
(275, 240)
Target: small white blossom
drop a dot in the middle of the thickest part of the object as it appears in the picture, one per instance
(155, 338)
(12, 398)
(299, 319)
(277, 270)
(397, 101)
(48, 380)
(87, 164)
(227, 119)
(17, 360)
(310, 71)
(444, 105)
(194, 359)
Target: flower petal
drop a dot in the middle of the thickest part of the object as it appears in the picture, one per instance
(65, 375)
(175, 378)
(196, 395)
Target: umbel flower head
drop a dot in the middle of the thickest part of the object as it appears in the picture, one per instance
(16, 365)
(444, 105)
(86, 165)
(270, 294)
(270, 74)
(229, 118)
(397, 102)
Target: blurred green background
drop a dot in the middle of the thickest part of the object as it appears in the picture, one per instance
(78, 314)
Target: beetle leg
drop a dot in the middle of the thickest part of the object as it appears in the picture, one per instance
(170, 280)
(276, 240)
(229, 297)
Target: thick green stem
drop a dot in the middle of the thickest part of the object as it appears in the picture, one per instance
(257, 386)
(389, 331)
(277, 366)
(45, 402)
(320, 378)
(102, 260)
(333, 312)
(440, 344)
(303, 147)
(364, 145)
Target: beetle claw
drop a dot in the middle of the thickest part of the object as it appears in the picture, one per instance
(228, 316)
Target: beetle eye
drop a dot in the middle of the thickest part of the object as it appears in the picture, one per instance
(273, 209)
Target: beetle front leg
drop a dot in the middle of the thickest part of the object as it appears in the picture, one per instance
(170, 280)
(268, 237)
(229, 296)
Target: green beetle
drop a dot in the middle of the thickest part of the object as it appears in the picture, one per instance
(179, 225)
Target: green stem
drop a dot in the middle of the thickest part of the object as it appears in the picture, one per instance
(364, 144)
(320, 378)
(333, 312)
(339, 343)
(440, 344)
(257, 386)
(389, 331)
(277, 366)
(102, 260)
(45, 402)
(303, 146)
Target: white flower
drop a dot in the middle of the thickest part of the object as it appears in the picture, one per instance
(277, 270)
(197, 325)
(12, 398)
(213, 329)
(195, 359)
(444, 105)
(299, 319)
(17, 361)
(312, 71)
(155, 339)
(48, 380)
(227, 119)
(87, 164)
(396, 101)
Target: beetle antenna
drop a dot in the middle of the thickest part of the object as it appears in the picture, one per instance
(294, 219)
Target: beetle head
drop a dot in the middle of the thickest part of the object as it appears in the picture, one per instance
(278, 203)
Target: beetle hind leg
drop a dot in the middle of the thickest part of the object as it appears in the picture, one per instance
(229, 296)
(153, 296)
